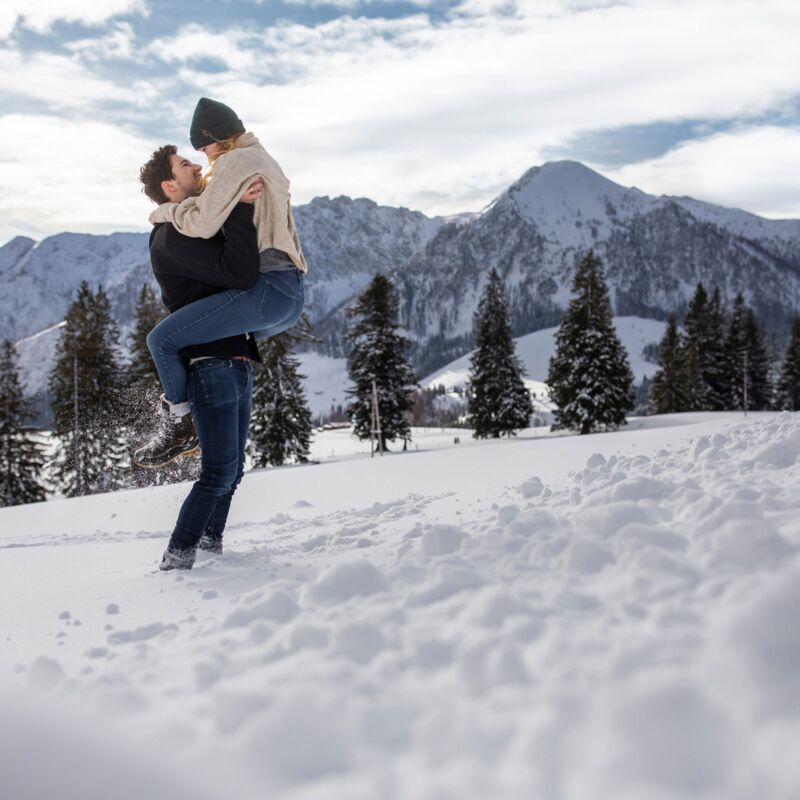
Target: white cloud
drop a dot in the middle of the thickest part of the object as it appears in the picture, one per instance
(440, 117)
(754, 168)
(62, 175)
(64, 84)
(39, 15)
(235, 48)
(350, 4)
(119, 43)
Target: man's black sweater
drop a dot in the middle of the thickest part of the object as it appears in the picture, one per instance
(189, 269)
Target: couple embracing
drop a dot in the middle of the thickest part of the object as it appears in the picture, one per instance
(226, 255)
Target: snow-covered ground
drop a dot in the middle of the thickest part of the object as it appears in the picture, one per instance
(325, 382)
(335, 444)
(604, 617)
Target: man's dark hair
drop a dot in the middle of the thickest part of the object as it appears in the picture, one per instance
(156, 170)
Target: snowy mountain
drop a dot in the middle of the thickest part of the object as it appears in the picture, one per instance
(655, 250)
(604, 617)
(40, 278)
(345, 241)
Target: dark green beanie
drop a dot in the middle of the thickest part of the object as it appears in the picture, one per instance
(212, 122)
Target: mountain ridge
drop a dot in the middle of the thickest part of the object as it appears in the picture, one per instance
(655, 249)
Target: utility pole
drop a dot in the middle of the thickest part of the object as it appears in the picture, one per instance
(375, 427)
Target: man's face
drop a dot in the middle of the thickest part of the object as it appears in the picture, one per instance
(186, 179)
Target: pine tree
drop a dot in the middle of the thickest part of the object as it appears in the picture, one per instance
(21, 455)
(589, 377)
(499, 402)
(693, 386)
(715, 365)
(704, 324)
(147, 314)
(788, 391)
(759, 390)
(85, 388)
(695, 324)
(748, 361)
(280, 427)
(736, 354)
(667, 394)
(377, 353)
(774, 376)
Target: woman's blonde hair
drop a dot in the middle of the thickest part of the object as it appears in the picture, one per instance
(225, 145)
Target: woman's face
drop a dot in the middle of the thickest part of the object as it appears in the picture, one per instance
(210, 150)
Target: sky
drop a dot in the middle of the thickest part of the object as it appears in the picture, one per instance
(435, 105)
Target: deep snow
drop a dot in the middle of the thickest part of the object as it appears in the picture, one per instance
(609, 616)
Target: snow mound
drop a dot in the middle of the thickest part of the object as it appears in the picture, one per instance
(347, 580)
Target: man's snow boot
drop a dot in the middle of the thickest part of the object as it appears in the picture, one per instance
(175, 437)
(210, 543)
(177, 559)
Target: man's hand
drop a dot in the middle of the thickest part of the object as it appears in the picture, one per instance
(254, 190)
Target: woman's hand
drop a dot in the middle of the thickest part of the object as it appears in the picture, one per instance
(254, 190)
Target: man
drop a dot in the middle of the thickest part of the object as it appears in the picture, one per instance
(220, 372)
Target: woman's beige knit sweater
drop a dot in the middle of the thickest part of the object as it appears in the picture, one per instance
(233, 172)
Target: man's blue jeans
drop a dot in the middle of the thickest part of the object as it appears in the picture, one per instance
(268, 308)
(221, 393)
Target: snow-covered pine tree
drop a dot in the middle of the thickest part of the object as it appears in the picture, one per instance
(21, 454)
(499, 402)
(378, 352)
(85, 386)
(589, 375)
(759, 390)
(667, 393)
(280, 428)
(788, 391)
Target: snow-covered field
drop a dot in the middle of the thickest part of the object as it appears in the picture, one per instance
(608, 617)
(325, 382)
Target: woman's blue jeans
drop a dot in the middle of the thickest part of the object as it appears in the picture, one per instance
(268, 308)
(221, 393)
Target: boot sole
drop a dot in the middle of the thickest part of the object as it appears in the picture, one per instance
(193, 453)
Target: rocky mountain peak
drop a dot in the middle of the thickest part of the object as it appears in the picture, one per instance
(546, 193)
